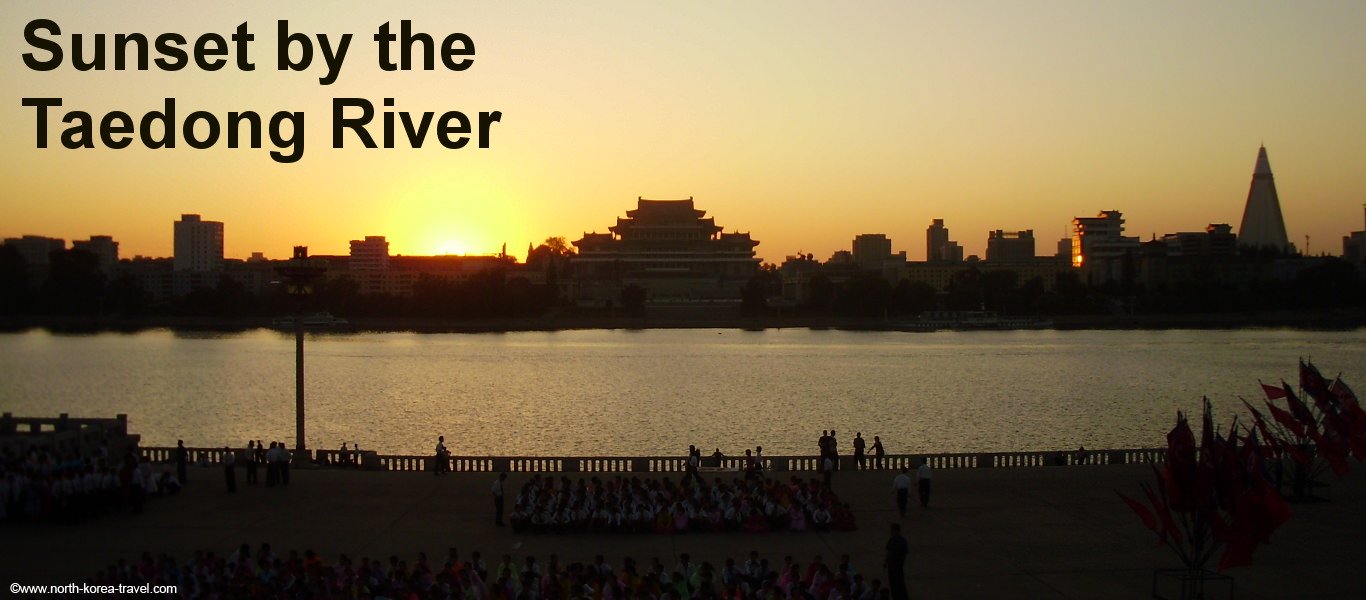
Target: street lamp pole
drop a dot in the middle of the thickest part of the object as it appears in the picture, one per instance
(299, 274)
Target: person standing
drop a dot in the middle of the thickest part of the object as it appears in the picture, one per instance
(922, 476)
(859, 445)
(250, 459)
(878, 452)
(498, 499)
(230, 469)
(285, 459)
(824, 444)
(834, 449)
(691, 464)
(182, 462)
(902, 484)
(272, 466)
(442, 462)
(895, 563)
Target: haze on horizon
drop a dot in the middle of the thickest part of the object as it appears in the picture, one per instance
(804, 123)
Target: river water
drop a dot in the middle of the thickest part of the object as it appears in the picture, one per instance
(604, 392)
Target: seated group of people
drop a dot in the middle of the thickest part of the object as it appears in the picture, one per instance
(635, 505)
(263, 574)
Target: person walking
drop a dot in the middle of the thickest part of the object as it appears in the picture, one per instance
(922, 476)
(895, 563)
(498, 499)
(230, 469)
(902, 484)
(878, 452)
(859, 445)
(182, 462)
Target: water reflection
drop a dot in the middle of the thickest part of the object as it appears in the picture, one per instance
(656, 391)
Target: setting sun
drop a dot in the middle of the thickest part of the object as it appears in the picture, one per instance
(452, 247)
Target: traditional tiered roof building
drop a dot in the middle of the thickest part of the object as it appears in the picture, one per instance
(668, 248)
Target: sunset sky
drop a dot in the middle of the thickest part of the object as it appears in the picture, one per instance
(804, 123)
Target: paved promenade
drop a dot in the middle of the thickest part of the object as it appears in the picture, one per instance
(1042, 532)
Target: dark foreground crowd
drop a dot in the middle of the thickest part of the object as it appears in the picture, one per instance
(644, 505)
(260, 573)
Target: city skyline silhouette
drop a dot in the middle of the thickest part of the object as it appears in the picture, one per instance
(814, 124)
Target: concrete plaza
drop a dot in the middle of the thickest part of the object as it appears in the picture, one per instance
(1037, 532)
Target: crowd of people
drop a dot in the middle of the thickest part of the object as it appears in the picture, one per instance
(260, 573)
(829, 447)
(71, 483)
(644, 505)
(276, 459)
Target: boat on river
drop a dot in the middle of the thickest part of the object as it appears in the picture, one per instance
(967, 320)
(322, 320)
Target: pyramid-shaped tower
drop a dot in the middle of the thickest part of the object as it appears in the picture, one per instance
(1262, 222)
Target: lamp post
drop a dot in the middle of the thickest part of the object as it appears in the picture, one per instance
(299, 274)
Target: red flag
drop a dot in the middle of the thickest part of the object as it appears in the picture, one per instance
(1286, 419)
(1332, 450)
(1272, 392)
(1298, 409)
(1261, 427)
(1313, 382)
(1159, 500)
(1239, 536)
(1211, 445)
(1353, 415)
(1294, 452)
(1277, 510)
(1143, 513)
(1344, 394)
(1236, 554)
(1181, 474)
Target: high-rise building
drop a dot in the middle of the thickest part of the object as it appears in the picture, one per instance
(1354, 245)
(104, 248)
(1217, 239)
(370, 254)
(871, 249)
(1100, 247)
(36, 249)
(198, 244)
(1263, 225)
(1010, 246)
(938, 247)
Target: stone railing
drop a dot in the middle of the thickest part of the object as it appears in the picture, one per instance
(371, 460)
(17, 434)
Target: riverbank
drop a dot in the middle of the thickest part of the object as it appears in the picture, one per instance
(989, 533)
(1335, 319)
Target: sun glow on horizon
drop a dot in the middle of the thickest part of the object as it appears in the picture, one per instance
(452, 247)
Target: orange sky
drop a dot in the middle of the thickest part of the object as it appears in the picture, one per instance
(804, 123)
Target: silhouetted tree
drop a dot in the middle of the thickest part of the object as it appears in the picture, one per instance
(1333, 283)
(866, 294)
(822, 294)
(633, 299)
(13, 281)
(913, 298)
(75, 284)
(125, 296)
